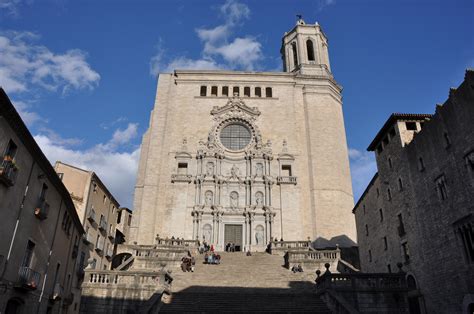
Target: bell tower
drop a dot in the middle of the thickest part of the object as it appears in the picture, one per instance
(304, 49)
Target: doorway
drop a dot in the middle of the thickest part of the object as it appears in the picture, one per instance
(233, 233)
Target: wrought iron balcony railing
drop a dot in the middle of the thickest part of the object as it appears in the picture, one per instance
(42, 209)
(8, 171)
(28, 278)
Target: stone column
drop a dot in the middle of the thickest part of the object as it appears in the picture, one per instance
(266, 228)
(194, 227)
(251, 220)
(199, 223)
(246, 238)
(213, 234)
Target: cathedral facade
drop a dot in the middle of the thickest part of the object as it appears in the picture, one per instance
(247, 157)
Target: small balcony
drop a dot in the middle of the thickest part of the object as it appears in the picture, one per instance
(286, 180)
(42, 209)
(181, 178)
(87, 238)
(109, 253)
(99, 246)
(8, 171)
(57, 292)
(28, 279)
(91, 216)
(103, 225)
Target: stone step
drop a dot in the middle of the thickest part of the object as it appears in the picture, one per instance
(257, 283)
(244, 302)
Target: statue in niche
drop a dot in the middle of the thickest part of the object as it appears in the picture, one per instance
(234, 200)
(259, 170)
(210, 169)
(206, 233)
(259, 235)
(208, 198)
(234, 172)
(259, 198)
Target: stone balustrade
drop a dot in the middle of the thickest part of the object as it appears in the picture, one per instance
(108, 291)
(313, 260)
(281, 247)
(363, 292)
(286, 180)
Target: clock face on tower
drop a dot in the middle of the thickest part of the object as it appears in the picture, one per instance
(235, 136)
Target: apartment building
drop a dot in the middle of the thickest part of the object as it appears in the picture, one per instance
(41, 253)
(98, 211)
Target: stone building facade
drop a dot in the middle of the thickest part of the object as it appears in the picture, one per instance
(41, 268)
(98, 210)
(419, 208)
(245, 157)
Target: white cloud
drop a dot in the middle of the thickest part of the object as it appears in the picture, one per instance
(117, 169)
(324, 3)
(25, 64)
(234, 12)
(124, 136)
(28, 116)
(10, 6)
(244, 52)
(219, 52)
(363, 168)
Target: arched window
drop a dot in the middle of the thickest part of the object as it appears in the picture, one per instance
(247, 91)
(295, 54)
(258, 92)
(225, 90)
(203, 90)
(268, 92)
(236, 91)
(310, 49)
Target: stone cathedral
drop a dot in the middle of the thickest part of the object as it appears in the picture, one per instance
(247, 157)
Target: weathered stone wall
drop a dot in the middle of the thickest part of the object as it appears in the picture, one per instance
(304, 113)
(431, 214)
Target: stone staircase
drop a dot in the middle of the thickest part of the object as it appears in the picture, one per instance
(257, 283)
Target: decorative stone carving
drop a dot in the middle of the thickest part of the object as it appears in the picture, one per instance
(208, 198)
(210, 169)
(259, 169)
(259, 198)
(234, 200)
(259, 235)
(206, 232)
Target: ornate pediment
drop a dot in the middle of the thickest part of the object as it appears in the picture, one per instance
(235, 107)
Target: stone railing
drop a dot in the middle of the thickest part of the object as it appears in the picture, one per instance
(177, 242)
(363, 292)
(101, 278)
(313, 260)
(181, 178)
(281, 247)
(286, 180)
(123, 291)
(154, 256)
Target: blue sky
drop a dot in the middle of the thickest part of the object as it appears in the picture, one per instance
(82, 73)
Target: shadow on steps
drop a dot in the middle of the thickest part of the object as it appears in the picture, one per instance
(205, 299)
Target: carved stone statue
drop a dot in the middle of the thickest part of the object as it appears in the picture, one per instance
(210, 169)
(206, 233)
(259, 198)
(259, 236)
(234, 199)
(208, 198)
(234, 172)
(259, 170)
